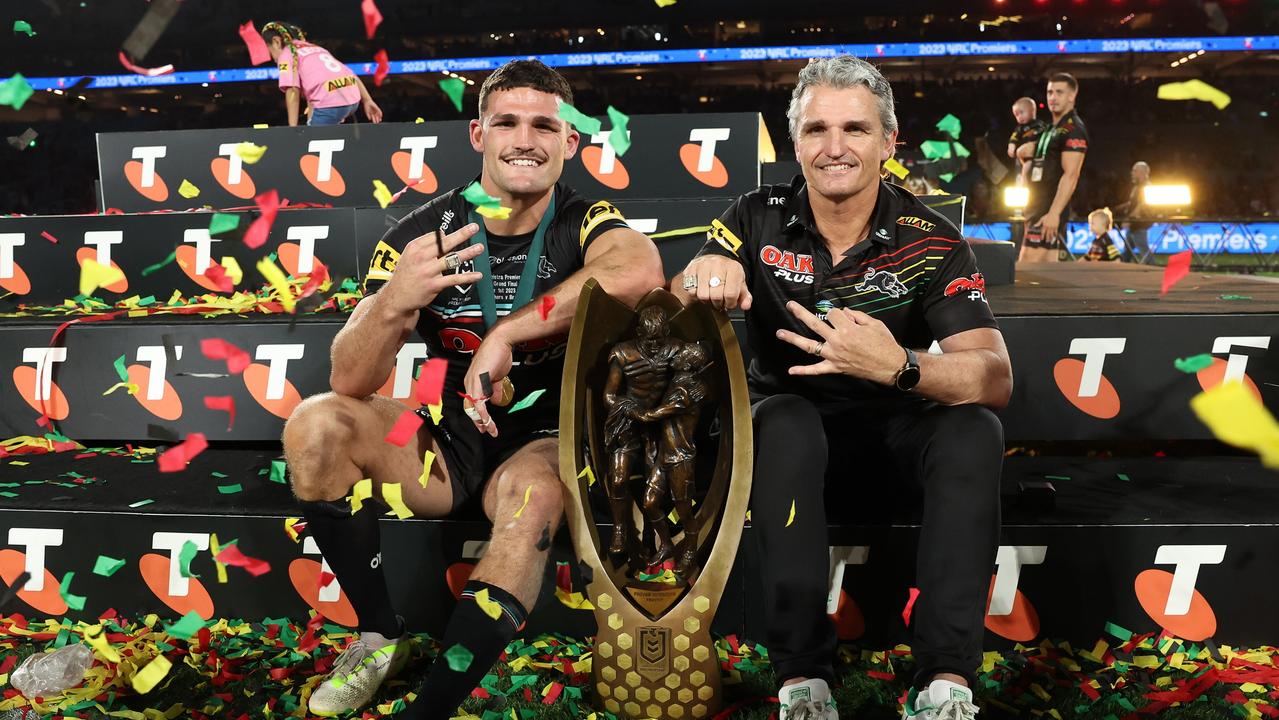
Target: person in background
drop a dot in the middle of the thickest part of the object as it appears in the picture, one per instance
(332, 90)
(1021, 143)
(1055, 165)
(1136, 248)
(1103, 248)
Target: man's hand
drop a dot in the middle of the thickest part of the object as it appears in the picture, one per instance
(372, 111)
(1050, 223)
(721, 281)
(494, 356)
(420, 274)
(853, 344)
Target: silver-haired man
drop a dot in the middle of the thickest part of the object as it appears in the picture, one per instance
(845, 280)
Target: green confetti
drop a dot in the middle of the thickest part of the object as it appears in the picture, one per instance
(1236, 297)
(949, 125)
(453, 87)
(459, 658)
(15, 91)
(75, 602)
(107, 566)
(152, 268)
(223, 222)
(1123, 477)
(120, 370)
(7, 494)
(189, 625)
(219, 475)
(140, 503)
(230, 489)
(475, 195)
(585, 124)
(1193, 364)
(22, 26)
(278, 470)
(527, 401)
(619, 137)
(1129, 291)
(935, 149)
(1119, 632)
(185, 556)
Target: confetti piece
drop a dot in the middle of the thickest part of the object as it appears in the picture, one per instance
(430, 384)
(548, 303)
(1236, 297)
(214, 549)
(140, 503)
(1123, 477)
(218, 276)
(120, 369)
(585, 124)
(476, 195)
(185, 556)
(152, 268)
(129, 388)
(186, 626)
(910, 606)
(454, 88)
(188, 189)
(279, 281)
(249, 152)
(45, 234)
(664, 3)
(97, 639)
(139, 70)
(258, 51)
(382, 194)
(21, 142)
(1177, 268)
(231, 555)
(1193, 364)
(494, 213)
(75, 602)
(589, 474)
(268, 204)
(361, 491)
(428, 459)
(1193, 90)
(223, 223)
(22, 26)
(218, 349)
(175, 459)
(619, 137)
(372, 17)
(94, 275)
(393, 494)
(107, 566)
(293, 527)
(405, 428)
(230, 489)
(528, 492)
(896, 168)
(1236, 417)
(278, 470)
(527, 401)
(949, 125)
(490, 607)
(15, 91)
(437, 412)
(1121, 633)
(791, 519)
(148, 677)
(458, 658)
(383, 67)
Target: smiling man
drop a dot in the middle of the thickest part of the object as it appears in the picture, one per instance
(474, 288)
(846, 280)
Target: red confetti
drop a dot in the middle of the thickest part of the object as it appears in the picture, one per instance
(222, 402)
(383, 67)
(1177, 268)
(231, 555)
(268, 205)
(175, 459)
(881, 675)
(45, 234)
(910, 605)
(325, 579)
(258, 52)
(149, 72)
(405, 428)
(218, 349)
(548, 302)
(430, 384)
(217, 275)
(554, 694)
(318, 275)
(372, 17)
(564, 577)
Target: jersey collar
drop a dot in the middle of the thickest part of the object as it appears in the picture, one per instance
(882, 227)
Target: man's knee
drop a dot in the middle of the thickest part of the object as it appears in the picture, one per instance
(791, 420)
(967, 449)
(974, 427)
(316, 435)
(542, 488)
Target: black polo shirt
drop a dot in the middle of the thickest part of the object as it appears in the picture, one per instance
(1067, 135)
(1028, 132)
(914, 272)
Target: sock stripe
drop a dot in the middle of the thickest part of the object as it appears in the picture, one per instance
(510, 614)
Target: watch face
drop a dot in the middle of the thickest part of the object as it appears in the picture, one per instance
(908, 378)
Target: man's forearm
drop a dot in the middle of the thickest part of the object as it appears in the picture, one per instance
(1065, 188)
(364, 351)
(965, 377)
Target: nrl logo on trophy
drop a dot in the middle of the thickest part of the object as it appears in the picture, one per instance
(655, 441)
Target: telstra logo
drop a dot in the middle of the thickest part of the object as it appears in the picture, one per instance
(141, 174)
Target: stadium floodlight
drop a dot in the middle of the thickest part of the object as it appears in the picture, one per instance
(1016, 197)
(1167, 195)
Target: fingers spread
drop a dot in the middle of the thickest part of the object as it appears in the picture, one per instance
(822, 329)
(825, 367)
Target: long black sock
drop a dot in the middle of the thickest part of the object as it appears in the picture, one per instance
(476, 632)
(352, 545)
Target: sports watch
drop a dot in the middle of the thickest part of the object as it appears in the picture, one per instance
(908, 377)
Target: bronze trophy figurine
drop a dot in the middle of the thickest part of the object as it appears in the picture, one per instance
(642, 389)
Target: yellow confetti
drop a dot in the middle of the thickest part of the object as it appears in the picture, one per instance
(130, 388)
(590, 476)
(488, 605)
(94, 275)
(1237, 418)
(147, 678)
(791, 519)
(260, 126)
(528, 492)
(437, 412)
(1193, 90)
(419, 121)
(249, 152)
(290, 527)
(427, 461)
(215, 549)
(393, 494)
(279, 281)
(97, 639)
(573, 601)
(496, 213)
(382, 194)
(188, 190)
(362, 491)
(896, 168)
(232, 268)
(664, 3)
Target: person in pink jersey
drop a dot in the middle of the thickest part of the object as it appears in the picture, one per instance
(332, 90)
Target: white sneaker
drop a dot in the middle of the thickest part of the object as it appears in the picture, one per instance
(359, 672)
(808, 700)
(941, 700)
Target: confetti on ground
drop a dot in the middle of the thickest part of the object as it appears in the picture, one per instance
(1193, 364)
(188, 625)
(151, 675)
(107, 566)
(527, 401)
(454, 88)
(230, 489)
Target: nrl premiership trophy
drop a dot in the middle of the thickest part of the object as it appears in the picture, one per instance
(654, 415)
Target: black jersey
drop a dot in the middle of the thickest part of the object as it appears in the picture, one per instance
(452, 326)
(914, 272)
(1067, 135)
(1028, 132)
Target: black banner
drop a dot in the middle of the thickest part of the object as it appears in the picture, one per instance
(672, 156)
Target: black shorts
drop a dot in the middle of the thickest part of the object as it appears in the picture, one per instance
(471, 458)
(1034, 235)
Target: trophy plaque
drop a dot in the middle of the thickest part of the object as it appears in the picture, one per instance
(655, 440)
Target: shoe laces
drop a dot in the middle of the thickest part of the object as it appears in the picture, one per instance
(350, 659)
(956, 710)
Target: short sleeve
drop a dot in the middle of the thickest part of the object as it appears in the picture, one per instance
(387, 252)
(598, 218)
(1076, 139)
(955, 300)
(289, 77)
(724, 238)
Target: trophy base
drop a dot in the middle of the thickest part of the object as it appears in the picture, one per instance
(664, 668)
